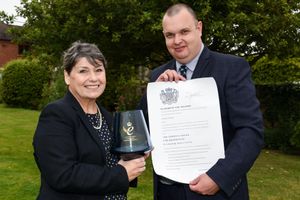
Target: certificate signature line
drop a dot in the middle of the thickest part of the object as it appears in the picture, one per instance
(190, 158)
(184, 124)
(184, 147)
(185, 153)
(188, 149)
(183, 164)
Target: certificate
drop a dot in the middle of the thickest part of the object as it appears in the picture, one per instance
(185, 127)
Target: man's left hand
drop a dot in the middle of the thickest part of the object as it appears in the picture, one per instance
(203, 184)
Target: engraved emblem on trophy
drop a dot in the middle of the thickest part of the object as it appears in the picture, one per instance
(131, 135)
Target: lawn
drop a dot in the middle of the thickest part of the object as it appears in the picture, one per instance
(275, 176)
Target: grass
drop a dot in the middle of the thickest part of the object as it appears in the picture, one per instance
(19, 175)
(275, 176)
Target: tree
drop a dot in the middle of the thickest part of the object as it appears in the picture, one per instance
(129, 31)
(7, 19)
(255, 28)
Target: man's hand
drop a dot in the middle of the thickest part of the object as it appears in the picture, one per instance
(203, 184)
(170, 75)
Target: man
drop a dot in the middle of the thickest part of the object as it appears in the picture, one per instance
(241, 118)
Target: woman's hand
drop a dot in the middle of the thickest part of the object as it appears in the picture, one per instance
(170, 75)
(134, 167)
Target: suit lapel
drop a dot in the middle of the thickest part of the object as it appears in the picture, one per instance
(92, 132)
(202, 67)
(170, 65)
(84, 120)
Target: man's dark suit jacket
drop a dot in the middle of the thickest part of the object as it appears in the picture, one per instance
(71, 157)
(241, 121)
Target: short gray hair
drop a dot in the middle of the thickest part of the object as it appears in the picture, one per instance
(82, 50)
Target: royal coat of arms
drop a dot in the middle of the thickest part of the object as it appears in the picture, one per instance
(169, 96)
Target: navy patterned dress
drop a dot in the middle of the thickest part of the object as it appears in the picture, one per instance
(106, 138)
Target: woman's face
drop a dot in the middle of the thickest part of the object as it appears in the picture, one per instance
(86, 82)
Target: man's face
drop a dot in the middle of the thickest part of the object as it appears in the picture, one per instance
(182, 35)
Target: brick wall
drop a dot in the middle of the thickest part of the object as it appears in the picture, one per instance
(8, 52)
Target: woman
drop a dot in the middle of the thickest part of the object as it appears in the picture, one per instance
(72, 140)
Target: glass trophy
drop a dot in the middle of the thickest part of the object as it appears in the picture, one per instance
(131, 135)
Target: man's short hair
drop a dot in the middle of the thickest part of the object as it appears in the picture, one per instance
(176, 8)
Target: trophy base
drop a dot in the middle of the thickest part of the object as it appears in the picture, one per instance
(135, 150)
(129, 154)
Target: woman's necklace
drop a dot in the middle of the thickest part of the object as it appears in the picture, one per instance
(99, 115)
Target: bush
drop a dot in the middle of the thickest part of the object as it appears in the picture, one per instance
(1, 101)
(55, 90)
(280, 105)
(124, 88)
(23, 82)
(128, 93)
(295, 140)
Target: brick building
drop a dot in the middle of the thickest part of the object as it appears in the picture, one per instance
(8, 50)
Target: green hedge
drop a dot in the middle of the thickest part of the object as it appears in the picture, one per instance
(23, 82)
(295, 140)
(55, 90)
(124, 88)
(280, 105)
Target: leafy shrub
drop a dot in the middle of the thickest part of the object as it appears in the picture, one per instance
(124, 88)
(295, 140)
(128, 93)
(280, 105)
(1, 100)
(276, 71)
(23, 82)
(278, 87)
(273, 138)
(55, 90)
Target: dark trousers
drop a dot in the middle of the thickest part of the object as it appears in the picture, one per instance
(182, 192)
(171, 192)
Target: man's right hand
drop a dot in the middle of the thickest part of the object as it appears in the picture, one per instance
(170, 75)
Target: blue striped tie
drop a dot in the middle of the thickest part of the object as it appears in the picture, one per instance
(183, 70)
